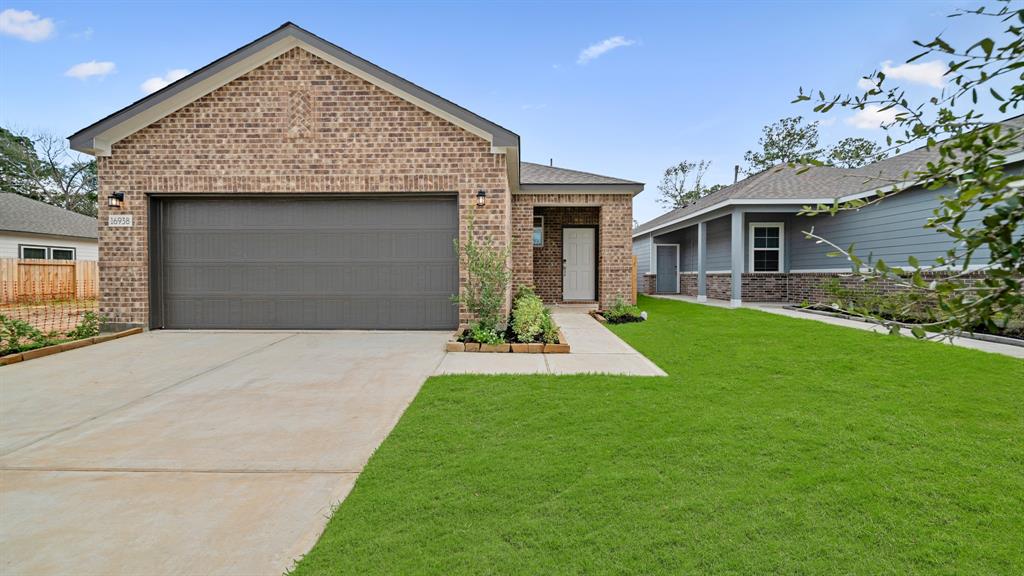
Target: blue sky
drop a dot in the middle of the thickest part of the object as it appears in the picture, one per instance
(667, 81)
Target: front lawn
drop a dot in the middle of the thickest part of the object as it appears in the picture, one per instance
(776, 445)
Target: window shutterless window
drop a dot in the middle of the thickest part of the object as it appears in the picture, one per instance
(45, 252)
(538, 231)
(62, 253)
(766, 245)
(35, 252)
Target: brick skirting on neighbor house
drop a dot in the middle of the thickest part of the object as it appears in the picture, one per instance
(794, 287)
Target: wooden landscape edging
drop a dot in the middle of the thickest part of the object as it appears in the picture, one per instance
(48, 350)
(454, 345)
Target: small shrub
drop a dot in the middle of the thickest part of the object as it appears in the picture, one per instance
(17, 335)
(478, 332)
(620, 312)
(548, 329)
(88, 327)
(528, 315)
(487, 278)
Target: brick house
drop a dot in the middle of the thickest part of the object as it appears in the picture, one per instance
(292, 184)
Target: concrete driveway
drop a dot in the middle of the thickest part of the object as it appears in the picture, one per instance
(194, 453)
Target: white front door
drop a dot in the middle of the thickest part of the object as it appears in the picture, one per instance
(578, 264)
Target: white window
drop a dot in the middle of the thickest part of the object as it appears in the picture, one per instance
(62, 253)
(766, 242)
(45, 252)
(538, 231)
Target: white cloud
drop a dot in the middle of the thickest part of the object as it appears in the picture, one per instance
(25, 25)
(871, 117)
(930, 73)
(158, 82)
(90, 69)
(83, 35)
(602, 47)
(866, 84)
(829, 121)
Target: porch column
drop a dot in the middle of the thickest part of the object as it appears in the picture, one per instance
(702, 259)
(738, 245)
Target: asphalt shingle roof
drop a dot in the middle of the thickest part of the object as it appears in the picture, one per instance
(530, 173)
(21, 214)
(822, 183)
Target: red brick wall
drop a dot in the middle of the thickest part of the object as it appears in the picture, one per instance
(766, 287)
(614, 216)
(687, 283)
(794, 287)
(650, 285)
(297, 124)
(719, 286)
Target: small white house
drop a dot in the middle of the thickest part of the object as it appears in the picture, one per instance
(33, 229)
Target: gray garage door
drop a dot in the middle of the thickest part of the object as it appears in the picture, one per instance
(306, 263)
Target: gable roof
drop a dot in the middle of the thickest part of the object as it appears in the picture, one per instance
(97, 138)
(801, 185)
(21, 214)
(539, 177)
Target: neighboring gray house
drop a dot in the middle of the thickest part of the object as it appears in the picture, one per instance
(33, 229)
(747, 242)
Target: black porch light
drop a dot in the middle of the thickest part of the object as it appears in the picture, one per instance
(481, 197)
(115, 200)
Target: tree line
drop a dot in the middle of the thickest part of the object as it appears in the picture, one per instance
(43, 168)
(787, 141)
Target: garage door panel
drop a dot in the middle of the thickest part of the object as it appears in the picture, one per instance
(309, 263)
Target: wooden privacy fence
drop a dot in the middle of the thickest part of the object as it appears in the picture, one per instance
(24, 280)
(633, 276)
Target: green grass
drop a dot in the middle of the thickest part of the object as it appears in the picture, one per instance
(776, 445)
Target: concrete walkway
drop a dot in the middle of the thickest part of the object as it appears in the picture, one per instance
(994, 347)
(593, 349)
(194, 452)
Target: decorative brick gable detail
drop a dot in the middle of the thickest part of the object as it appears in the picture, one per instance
(297, 124)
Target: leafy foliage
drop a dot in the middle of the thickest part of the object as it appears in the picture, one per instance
(788, 141)
(88, 327)
(683, 184)
(854, 152)
(970, 156)
(43, 168)
(16, 335)
(487, 279)
(621, 312)
(548, 329)
(791, 141)
(528, 314)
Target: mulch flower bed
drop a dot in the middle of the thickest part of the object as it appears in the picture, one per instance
(455, 345)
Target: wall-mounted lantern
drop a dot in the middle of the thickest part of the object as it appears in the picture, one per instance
(481, 197)
(115, 200)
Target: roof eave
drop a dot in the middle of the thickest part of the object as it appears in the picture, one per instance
(624, 188)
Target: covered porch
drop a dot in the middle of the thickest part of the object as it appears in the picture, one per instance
(736, 254)
(573, 248)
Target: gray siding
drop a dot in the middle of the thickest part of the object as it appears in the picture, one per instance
(642, 251)
(719, 255)
(890, 230)
(686, 238)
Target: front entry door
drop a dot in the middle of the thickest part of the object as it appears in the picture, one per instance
(668, 268)
(579, 263)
